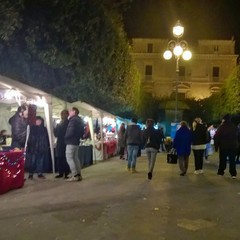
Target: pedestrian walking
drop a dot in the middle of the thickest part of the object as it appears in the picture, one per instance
(182, 144)
(151, 140)
(199, 141)
(225, 140)
(121, 141)
(74, 133)
(59, 132)
(133, 138)
(161, 135)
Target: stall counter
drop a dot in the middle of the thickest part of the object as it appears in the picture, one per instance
(11, 170)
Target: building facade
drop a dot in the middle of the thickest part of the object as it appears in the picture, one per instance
(212, 62)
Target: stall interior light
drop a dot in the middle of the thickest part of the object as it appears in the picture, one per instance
(11, 93)
(86, 119)
(40, 101)
(109, 121)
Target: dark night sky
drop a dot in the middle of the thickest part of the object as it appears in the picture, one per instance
(202, 19)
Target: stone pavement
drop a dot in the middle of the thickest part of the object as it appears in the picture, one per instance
(111, 203)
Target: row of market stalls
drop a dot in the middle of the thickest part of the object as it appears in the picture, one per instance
(101, 126)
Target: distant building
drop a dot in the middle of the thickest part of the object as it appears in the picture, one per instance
(211, 64)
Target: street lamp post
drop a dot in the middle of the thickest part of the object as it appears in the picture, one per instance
(178, 48)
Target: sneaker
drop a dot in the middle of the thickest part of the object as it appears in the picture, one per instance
(133, 170)
(30, 177)
(149, 175)
(41, 176)
(196, 172)
(59, 176)
(234, 177)
(128, 169)
(200, 171)
(75, 178)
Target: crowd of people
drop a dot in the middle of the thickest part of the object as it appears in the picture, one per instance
(197, 138)
(131, 140)
(34, 140)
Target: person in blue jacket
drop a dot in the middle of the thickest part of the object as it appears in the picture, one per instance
(182, 144)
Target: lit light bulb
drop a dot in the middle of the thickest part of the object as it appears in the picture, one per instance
(167, 55)
(178, 51)
(178, 29)
(187, 55)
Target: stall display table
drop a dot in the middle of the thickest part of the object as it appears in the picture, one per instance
(11, 170)
(85, 155)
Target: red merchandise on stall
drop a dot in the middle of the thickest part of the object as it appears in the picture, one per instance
(11, 170)
(110, 148)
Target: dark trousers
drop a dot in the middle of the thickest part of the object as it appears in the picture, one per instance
(198, 159)
(63, 167)
(225, 155)
(121, 151)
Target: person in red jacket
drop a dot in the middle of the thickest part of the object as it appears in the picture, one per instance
(225, 140)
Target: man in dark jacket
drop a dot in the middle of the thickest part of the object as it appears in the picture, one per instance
(59, 132)
(74, 133)
(225, 140)
(133, 138)
(19, 124)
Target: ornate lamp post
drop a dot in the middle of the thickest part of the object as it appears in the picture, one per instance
(178, 48)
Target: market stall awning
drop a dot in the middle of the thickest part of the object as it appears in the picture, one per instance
(14, 93)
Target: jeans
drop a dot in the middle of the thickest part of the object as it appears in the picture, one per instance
(151, 155)
(132, 155)
(223, 155)
(36, 163)
(73, 159)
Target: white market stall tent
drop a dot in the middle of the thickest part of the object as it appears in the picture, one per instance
(14, 93)
(92, 113)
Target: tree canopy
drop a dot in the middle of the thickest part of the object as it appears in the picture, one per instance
(74, 49)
